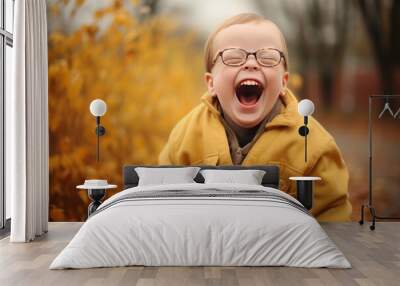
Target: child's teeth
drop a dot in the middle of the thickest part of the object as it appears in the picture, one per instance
(249, 82)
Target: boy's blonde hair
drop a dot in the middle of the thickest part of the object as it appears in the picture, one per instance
(239, 19)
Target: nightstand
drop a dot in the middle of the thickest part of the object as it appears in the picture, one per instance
(305, 190)
(96, 190)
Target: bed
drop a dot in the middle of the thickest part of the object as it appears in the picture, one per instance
(201, 223)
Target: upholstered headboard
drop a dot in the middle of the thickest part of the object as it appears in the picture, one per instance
(270, 179)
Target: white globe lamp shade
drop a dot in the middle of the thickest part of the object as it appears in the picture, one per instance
(306, 107)
(98, 107)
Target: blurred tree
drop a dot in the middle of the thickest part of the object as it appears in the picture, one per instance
(320, 40)
(382, 21)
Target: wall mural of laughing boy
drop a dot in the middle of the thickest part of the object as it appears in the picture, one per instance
(249, 117)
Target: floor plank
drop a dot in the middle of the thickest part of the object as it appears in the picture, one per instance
(374, 255)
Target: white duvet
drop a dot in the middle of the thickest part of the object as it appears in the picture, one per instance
(183, 231)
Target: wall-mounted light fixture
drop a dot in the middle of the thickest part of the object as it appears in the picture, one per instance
(98, 108)
(305, 108)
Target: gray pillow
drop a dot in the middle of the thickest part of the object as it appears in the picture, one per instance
(162, 176)
(248, 177)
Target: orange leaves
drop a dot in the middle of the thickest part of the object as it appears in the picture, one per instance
(90, 31)
(79, 3)
(148, 73)
(135, 2)
(122, 19)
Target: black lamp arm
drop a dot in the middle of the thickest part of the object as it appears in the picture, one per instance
(303, 131)
(100, 131)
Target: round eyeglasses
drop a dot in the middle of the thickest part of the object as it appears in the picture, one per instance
(235, 57)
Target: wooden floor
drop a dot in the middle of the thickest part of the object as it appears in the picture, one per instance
(374, 255)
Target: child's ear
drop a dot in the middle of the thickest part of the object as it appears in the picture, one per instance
(208, 78)
(285, 79)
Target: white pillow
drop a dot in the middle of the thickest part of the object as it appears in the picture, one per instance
(249, 177)
(162, 176)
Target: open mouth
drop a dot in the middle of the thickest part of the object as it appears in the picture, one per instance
(249, 91)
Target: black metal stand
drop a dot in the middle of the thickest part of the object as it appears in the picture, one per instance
(370, 205)
(305, 193)
(96, 195)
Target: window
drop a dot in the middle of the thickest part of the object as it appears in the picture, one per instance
(6, 45)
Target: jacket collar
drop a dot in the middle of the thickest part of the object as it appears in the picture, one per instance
(287, 117)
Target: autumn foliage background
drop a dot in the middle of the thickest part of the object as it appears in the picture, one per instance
(140, 68)
(148, 68)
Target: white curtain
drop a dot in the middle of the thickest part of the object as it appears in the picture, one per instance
(27, 143)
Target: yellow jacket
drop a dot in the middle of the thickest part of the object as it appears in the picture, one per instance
(200, 139)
